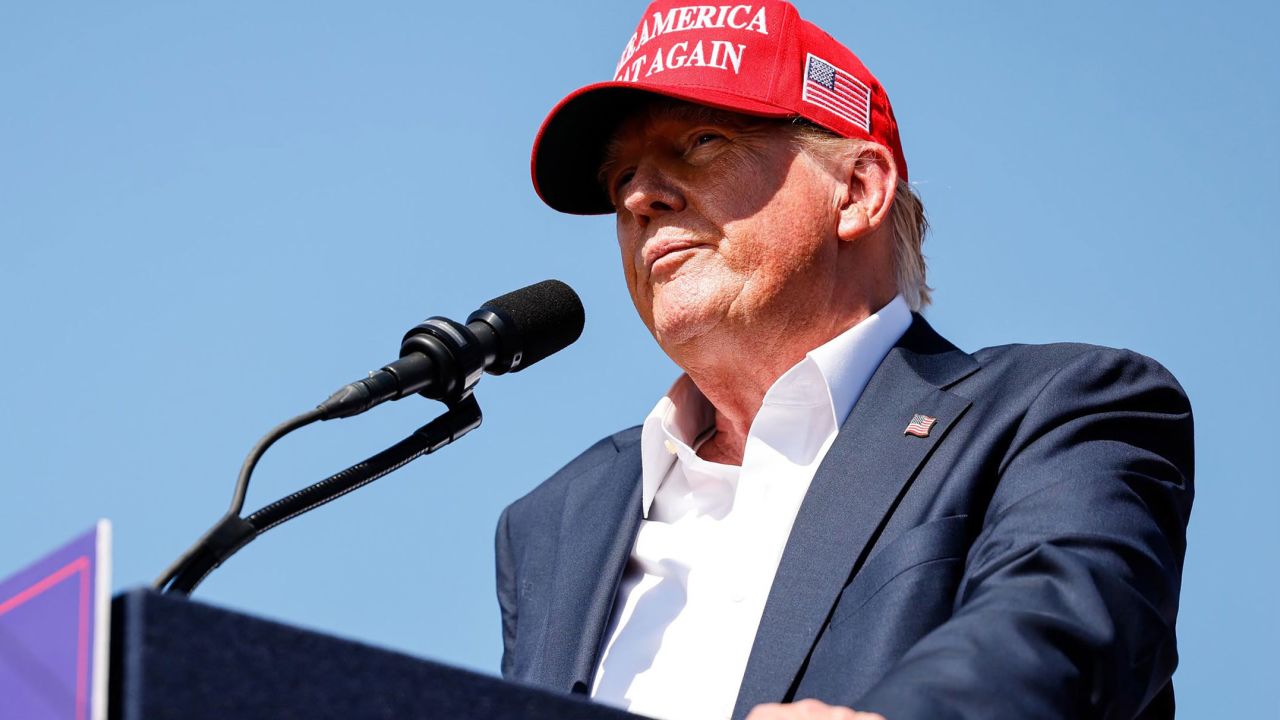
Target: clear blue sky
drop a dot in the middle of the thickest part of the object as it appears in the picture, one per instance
(214, 214)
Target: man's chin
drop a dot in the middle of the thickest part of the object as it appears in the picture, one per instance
(679, 328)
(688, 309)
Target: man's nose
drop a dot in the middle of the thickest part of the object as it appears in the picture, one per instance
(651, 193)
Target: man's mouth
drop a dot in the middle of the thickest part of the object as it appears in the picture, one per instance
(667, 251)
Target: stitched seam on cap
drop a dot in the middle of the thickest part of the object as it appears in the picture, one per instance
(777, 54)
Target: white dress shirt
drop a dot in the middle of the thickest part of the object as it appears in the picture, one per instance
(694, 590)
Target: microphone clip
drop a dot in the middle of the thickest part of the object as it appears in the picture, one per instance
(456, 361)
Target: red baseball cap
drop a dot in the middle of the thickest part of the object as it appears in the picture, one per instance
(758, 58)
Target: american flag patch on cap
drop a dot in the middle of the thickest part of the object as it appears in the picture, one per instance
(920, 425)
(836, 91)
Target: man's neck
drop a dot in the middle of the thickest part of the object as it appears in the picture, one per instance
(734, 371)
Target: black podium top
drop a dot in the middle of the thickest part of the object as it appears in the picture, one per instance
(174, 658)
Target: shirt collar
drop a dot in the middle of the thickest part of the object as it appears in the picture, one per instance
(849, 359)
(844, 367)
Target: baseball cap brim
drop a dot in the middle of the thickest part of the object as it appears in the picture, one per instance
(570, 145)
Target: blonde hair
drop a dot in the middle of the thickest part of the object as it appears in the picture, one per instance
(907, 220)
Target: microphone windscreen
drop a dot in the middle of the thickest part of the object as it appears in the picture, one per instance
(546, 318)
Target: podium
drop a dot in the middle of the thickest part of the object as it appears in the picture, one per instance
(175, 658)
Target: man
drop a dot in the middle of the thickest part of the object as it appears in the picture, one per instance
(833, 507)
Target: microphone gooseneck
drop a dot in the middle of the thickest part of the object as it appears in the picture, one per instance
(439, 359)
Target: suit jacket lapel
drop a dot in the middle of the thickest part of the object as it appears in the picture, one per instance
(597, 529)
(865, 472)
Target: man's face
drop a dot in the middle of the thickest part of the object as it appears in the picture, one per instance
(723, 224)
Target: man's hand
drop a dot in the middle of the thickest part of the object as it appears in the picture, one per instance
(808, 710)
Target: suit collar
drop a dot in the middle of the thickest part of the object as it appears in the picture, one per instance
(866, 471)
(597, 529)
(932, 357)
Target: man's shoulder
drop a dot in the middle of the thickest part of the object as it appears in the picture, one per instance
(600, 455)
(1046, 354)
(1024, 364)
(1043, 362)
(1060, 377)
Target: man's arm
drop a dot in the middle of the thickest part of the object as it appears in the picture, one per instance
(1070, 591)
(506, 584)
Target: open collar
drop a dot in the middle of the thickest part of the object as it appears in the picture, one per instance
(833, 374)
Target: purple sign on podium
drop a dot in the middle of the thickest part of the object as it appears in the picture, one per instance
(54, 620)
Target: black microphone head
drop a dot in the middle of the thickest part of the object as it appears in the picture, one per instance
(531, 323)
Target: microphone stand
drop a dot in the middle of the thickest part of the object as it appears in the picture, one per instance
(233, 532)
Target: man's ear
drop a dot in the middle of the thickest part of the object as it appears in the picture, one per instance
(871, 180)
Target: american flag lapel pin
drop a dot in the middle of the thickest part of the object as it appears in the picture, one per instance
(920, 425)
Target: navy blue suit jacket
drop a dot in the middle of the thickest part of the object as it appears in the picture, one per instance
(1022, 561)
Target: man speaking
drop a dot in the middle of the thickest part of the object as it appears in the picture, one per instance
(833, 507)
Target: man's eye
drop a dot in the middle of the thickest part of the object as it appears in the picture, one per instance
(704, 138)
(621, 181)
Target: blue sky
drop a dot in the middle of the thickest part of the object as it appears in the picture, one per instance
(214, 214)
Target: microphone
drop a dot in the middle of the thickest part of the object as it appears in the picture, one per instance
(442, 359)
